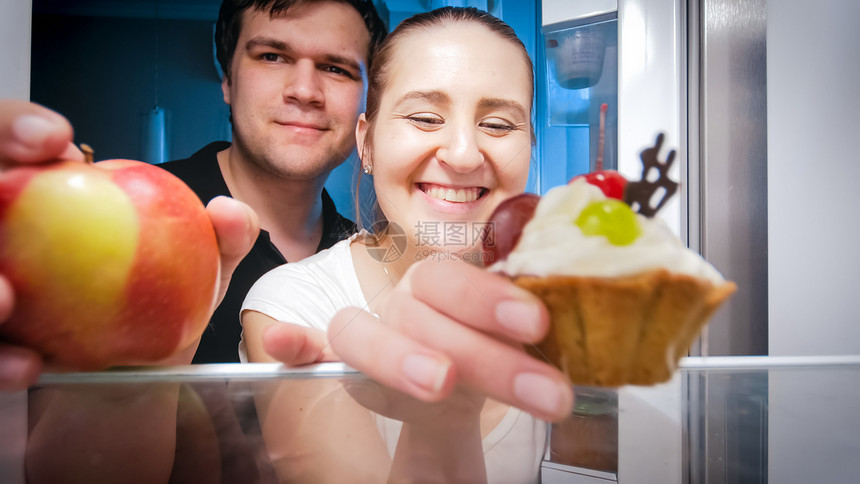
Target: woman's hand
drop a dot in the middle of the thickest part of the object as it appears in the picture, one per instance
(30, 133)
(451, 322)
(446, 323)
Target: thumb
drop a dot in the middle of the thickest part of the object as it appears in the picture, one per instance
(236, 227)
(30, 133)
(295, 345)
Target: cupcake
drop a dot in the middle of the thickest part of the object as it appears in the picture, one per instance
(626, 297)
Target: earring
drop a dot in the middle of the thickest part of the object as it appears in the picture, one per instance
(367, 169)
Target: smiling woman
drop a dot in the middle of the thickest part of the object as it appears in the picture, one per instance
(445, 152)
(447, 135)
(441, 150)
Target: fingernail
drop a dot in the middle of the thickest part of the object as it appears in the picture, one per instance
(31, 129)
(519, 317)
(425, 371)
(539, 392)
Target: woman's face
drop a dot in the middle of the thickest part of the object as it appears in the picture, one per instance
(452, 138)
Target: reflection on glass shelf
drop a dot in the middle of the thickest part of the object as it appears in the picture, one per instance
(719, 420)
(584, 447)
(772, 419)
(266, 423)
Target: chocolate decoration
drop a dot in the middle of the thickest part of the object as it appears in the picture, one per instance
(639, 194)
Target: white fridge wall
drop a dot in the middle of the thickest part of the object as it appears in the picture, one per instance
(813, 427)
(813, 236)
(559, 11)
(649, 89)
(14, 83)
(650, 446)
(15, 54)
(813, 67)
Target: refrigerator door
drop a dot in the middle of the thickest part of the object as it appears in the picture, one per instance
(728, 166)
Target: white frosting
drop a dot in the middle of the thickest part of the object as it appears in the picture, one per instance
(552, 244)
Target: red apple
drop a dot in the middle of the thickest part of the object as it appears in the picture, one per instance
(112, 263)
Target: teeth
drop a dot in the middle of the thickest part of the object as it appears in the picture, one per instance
(450, 195)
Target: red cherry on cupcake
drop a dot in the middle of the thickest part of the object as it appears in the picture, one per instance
(610, 182)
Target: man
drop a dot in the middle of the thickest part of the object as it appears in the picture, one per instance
(294, 77)
(294, 80)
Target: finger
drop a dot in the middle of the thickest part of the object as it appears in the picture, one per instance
(7, 299)
(498, 369)
(19, 368)
(30, 133)
(296, 345)
(236, 226)
(479, 298)
(388, 357)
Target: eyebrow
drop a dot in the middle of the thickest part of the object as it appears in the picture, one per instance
(287, 47)
(433, 97)
(440, 97)
(499, 103)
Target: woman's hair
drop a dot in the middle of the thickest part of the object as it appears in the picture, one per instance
(229, 24)
(380, 71)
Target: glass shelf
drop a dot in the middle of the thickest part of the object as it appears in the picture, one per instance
(719, 420)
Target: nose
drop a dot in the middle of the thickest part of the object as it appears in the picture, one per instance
(461, 152)
(304, 85)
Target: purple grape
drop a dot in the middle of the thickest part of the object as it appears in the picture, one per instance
(506, 225)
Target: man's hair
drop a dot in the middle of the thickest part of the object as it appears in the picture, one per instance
(229, 24)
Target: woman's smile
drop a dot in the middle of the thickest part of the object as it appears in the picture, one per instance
(456, 203)
(452, 193)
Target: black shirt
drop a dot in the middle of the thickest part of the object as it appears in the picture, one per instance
(220, 341)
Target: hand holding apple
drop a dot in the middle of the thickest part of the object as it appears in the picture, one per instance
(29, 133)
(112, 263)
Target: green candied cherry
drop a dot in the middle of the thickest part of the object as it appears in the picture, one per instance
(611, 218)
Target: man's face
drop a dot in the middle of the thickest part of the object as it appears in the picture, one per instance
(297, 87)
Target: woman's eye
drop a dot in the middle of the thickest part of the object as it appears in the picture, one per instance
(498, 126)
(425, 119)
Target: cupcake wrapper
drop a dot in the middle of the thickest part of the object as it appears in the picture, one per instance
(627, 330)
